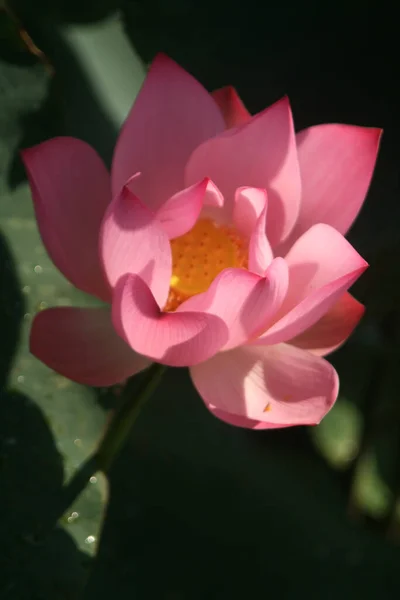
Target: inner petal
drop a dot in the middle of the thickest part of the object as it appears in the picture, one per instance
(200, 255)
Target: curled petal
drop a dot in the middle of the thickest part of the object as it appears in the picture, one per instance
(180, 213)
(214, 206)
(250, 219)
(71, 191)
(278, 386)
(82, 344)
(171, 116)
(248, 206)
(245, 302)
(322, 266)
(177, 339)
(213, 197)
(260, 251)
(133, 241)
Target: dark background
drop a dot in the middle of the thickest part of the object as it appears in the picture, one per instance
(199, 509)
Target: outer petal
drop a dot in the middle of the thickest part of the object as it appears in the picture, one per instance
(133, 241)
(261, 153)
(82, 344)
(172, 115)
(237, 421)
(333, 329)
(245, 302)
(322, 266)
(177, 339)
(71, 191)
(180, 213)
(336, 165)
(233, 109)
(279, 385)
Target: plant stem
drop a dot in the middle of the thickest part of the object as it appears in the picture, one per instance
(134, 396)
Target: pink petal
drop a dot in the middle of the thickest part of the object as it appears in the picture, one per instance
(249, 204)
(250, 219)
(261, 153)
(233, 109)
(171, 116)
(260, 252)
(276, 385)
(71, 191)
(245, 302)
(180, 213)
(215, 207)
(322, 266)
(336, 165)
(133, 241)
(82, 344)
(238, 421)
(213, 197)
(177, 339)
(333, 329)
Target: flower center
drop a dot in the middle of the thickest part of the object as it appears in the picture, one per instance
(199, 256)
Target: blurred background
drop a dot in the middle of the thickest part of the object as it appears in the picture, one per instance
(196, 509)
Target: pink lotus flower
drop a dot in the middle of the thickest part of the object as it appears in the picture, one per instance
(217, 241)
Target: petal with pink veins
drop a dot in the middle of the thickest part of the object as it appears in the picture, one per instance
(261, 153)
(82, 344)
(234, 111)
(171, 116)
(176, 339)
(245, 302)
(336, 164)
(71, 191)
(322, 266)
(279, 386)
(179, 214)
(333, 329)
(133, 241)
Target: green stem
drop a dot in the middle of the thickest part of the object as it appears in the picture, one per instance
(134, 397)
(136, 392)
